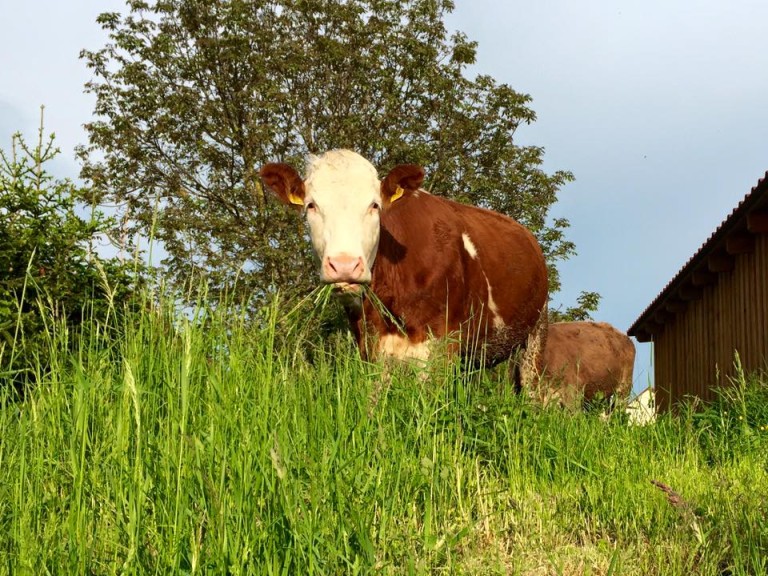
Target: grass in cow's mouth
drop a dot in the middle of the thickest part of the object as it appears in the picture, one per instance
(313, 303)
(304, 312)
(198, 446)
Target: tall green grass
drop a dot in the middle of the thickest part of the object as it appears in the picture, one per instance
(212, 443)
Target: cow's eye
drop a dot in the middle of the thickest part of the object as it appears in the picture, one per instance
(310, 207)
(375, 206)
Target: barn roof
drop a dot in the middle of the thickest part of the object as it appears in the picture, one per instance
(734, 236)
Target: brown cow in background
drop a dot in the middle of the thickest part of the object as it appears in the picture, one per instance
(584, 361)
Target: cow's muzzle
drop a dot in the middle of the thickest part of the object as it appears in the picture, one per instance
(344, 269)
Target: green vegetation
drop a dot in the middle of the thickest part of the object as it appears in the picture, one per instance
(49, 265)
(138, 438)
(145, 435)
(214, 443)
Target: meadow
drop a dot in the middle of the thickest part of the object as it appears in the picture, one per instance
(211, 442)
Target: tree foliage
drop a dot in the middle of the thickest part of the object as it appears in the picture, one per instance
(48, 267)
(586, 302)
(193, 96)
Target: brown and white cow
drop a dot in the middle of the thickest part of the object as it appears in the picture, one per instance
(440, 268)
(583, 361)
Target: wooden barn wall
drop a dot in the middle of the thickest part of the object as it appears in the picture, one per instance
(695, 350)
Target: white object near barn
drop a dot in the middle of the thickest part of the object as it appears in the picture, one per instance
(642, 408)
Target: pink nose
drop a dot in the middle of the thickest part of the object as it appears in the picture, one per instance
(343, 268)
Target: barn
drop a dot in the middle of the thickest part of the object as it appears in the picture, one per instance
(716, 305)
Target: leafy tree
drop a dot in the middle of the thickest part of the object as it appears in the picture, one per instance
(586, 302)
(193, 96)
(48, 267)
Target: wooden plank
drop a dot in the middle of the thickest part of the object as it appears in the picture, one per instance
(762, 320)
(712, 326)
(742, 341)
(761, 269)
(666, 344)
(701, 339)
(724, 335)
(761, 298)
(747, 263)
(692, 386)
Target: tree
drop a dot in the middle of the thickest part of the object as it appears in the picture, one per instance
(48, 267)
(586, 302)
(193, 96)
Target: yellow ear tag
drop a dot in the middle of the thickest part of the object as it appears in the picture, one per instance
(293, 199)
(398, 193)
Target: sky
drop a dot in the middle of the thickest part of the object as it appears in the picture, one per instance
(658, 107)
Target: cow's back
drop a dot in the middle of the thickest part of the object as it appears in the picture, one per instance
(509, 272)
(449, 269)
(586, 359)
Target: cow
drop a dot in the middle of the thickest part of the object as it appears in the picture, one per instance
(583, 362)
(435, 268)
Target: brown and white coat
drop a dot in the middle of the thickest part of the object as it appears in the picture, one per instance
(439, 267)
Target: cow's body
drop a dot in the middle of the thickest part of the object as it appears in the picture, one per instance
(441, 268)
(448, 269)
(583, 361)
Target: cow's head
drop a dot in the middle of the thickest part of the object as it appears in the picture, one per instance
(342, 199)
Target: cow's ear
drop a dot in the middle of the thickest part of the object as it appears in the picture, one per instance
(402, 180)
(285, 182)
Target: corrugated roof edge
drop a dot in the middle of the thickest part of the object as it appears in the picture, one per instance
(757, 197)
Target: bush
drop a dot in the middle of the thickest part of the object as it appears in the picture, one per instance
(48, 265)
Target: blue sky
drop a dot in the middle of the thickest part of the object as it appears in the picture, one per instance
(658, 107)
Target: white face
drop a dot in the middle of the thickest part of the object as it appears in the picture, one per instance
(342, 203)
